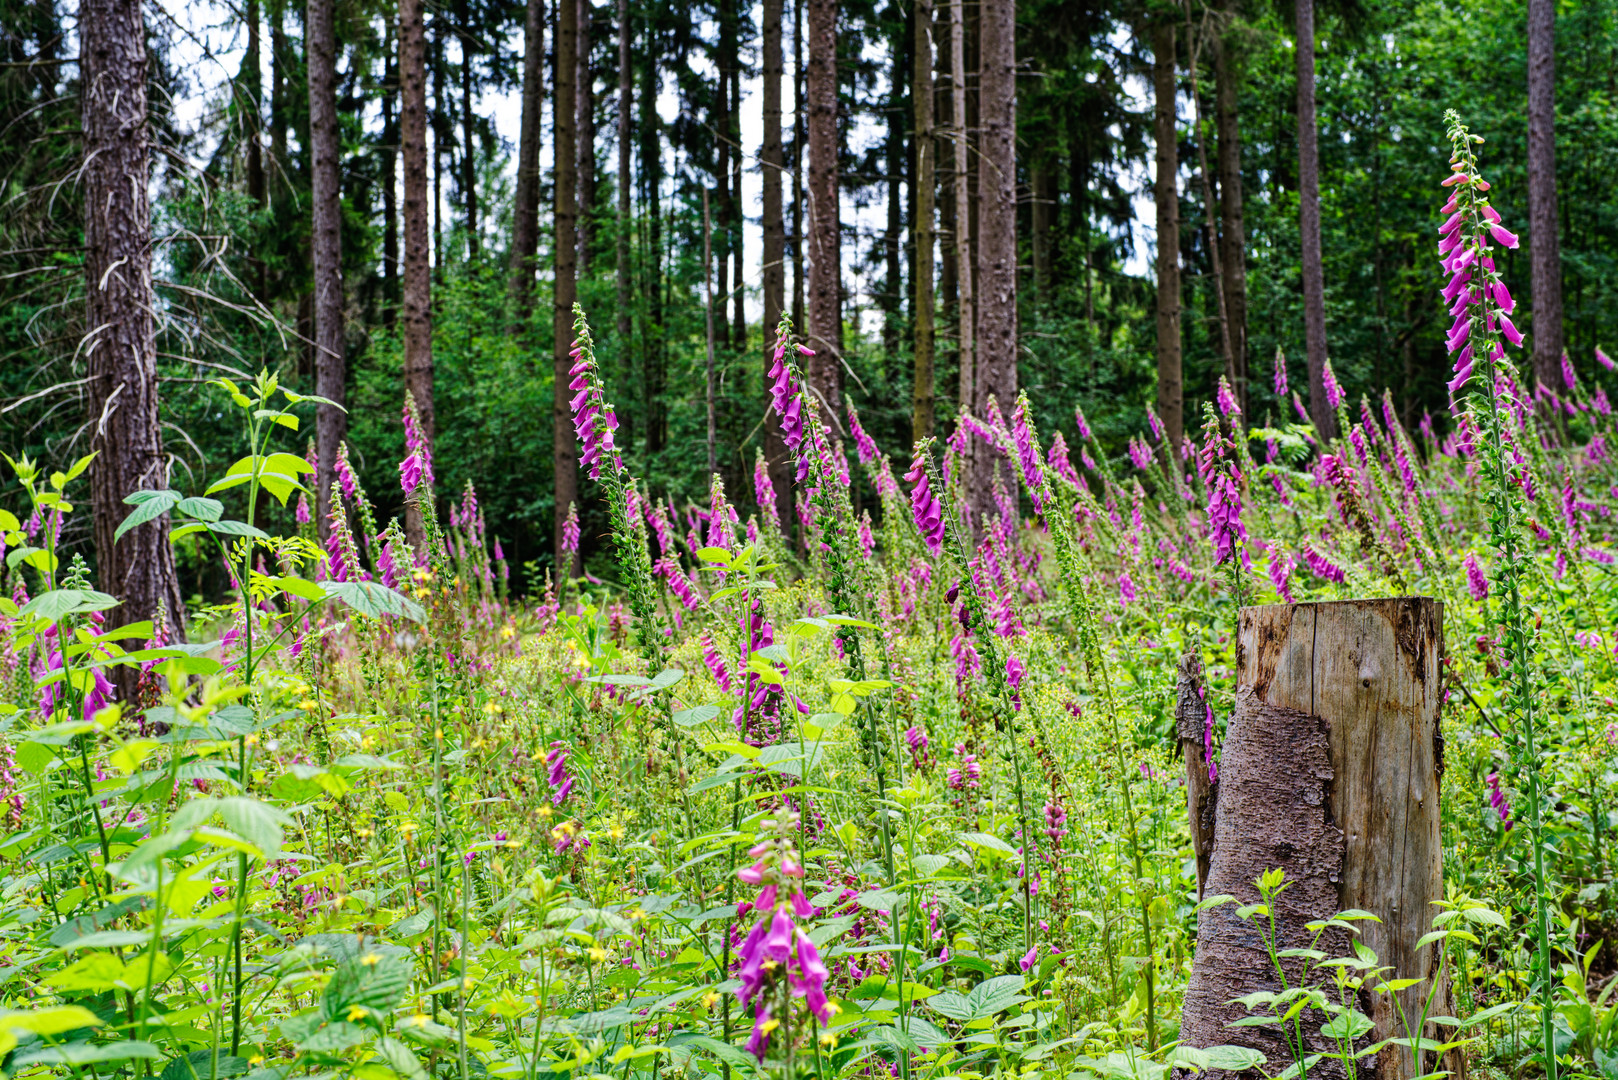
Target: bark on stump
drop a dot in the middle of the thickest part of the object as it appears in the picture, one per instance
(1330, 771)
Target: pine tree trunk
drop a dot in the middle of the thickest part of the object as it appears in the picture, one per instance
(738, 252)
(1314, 284)
(923, 402)
(390, 180)
(1170, 389)
(626, 102)
(469, 157)
(892, 240)
(525, 205)
(719, 118)
(252, 109)
(799, 140)
(961, 212)
(1331, 772)
(564, 212)
(121, 347)
(651, 171)
(1545, 260)
(587, 136)
(824, 253)
(326, 247)
(772, 158)
(416, 301)
(996, 238)
(1233, 234)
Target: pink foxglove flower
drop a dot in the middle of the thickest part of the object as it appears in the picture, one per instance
(560, 779)
(1023, 437)
(864, 445)
(1603, 359)
(1334, 392)
(570, 529)
(1083, 424)
(1477, 583)
(764, 492)
(1322, 566)
(1227, 399)
(1280, 373)
(1060, 461)
(925, 507)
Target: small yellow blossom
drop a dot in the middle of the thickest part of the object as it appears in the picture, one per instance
(597, 953)
(710, 999)
(357, 1012)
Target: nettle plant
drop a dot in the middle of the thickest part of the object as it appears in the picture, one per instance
(1335, 988)
(142, 865)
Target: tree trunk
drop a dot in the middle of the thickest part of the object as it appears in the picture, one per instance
(1545, 261)
(719, 118)
(893, 239)
(416, 301)
(587, 136)
(390, 179)
(707, 305)
(326, 247)
(564, 214)
(469, 157)
(121, 347)
(1233, 233)
(1170, 389)
(961, 205)
(1314, 284)
(739, 218)
(651, 170)
(799, 139)
(252, 109)
(921, 94)
(996, 237)
(825, 232)
(278, 89)
(525, 206)
(626, 220)
(1193, 728)
(1210, 218)
(772, 274)
(440, 123)
(1330, 772)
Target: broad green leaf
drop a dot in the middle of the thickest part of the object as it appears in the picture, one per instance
(370, 598)
(701, 714)
(992, 843)
(56, 603)
(154, 505)
(995, 995)
(203, 509)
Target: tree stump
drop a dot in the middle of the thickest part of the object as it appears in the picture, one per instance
(1330, 772)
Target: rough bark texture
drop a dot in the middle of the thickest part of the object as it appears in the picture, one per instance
(1201, 790)
(1330, 771)
(121, 350)
(825, 230)
(1314, 282)
(416, 299)
(921, 92)
(1170, 391)
(326, 199)
(625, 216)
(1233, 233)
(565, 448)
(738, 253)
(799, 139)
(1545, 260)
(585, 92)
(893, 238)
(1042, 219)
(469, 157)
(772, 158)
(390, 188)
(995, 236)
(525, 207)
(252, 109)
(960, 205)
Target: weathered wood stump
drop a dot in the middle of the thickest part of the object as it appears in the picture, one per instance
(1330, 772)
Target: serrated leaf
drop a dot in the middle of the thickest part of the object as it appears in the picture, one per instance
(201, 508)
(700, 714)
(153, 505)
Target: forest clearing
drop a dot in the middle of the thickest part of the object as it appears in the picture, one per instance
(481, 601)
